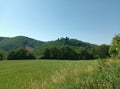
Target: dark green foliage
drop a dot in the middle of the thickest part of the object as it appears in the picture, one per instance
(68, 53)
(1, 56)
(64, 52)
(11, 55)
(84, 54)
(58, 49)
(73, 43)
(20, 54)
(30, 56)
(47, 54)
(114, 50)
(55, 53)
(101, 51)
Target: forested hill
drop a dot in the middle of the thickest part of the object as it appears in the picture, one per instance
(69, 42)
(69, 46)
(60, 42)
(8, 43)
(18, 41)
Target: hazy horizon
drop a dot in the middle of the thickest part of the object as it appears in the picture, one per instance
(90, 21)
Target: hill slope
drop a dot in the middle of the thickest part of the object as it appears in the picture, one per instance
(19, 41)
(73, 43)
(38, 47)
(3, 38)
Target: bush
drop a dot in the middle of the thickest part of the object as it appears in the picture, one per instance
(114, 50)
(20, 54)
(108, 74)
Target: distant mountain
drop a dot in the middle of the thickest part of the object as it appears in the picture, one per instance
(18, 41)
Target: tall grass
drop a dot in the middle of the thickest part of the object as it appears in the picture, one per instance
(105, 76)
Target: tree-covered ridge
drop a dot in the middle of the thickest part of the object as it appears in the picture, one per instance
(19, 41)
(22, 41)
(70, 42)
(62, 48)
(60, 42)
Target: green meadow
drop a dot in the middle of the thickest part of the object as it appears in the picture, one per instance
(41, 74)
(59, 74)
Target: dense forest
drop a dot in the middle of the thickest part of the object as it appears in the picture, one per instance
(21, 47)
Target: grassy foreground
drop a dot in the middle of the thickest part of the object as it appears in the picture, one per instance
(57, 74)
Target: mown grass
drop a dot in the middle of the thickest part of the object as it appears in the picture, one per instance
(59, 74)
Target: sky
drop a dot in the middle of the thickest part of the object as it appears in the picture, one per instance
(94, 21)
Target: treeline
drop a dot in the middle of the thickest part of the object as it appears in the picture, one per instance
(19, 54)
(64, 52)
(67, 52)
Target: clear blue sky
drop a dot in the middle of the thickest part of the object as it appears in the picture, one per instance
(94, 21)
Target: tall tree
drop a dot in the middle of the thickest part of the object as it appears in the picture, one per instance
(114, 50)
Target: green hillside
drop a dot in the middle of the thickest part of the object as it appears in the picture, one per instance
(19, 41)
(60, 42)
(69, 42)
(59, 46)
(38, 47)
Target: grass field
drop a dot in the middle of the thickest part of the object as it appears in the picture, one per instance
(48, 74)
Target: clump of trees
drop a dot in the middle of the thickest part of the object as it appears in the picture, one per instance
(84, 53)
(114, 50)
(101, 51)
(64, 52)
(67, 52)
(21, 53)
